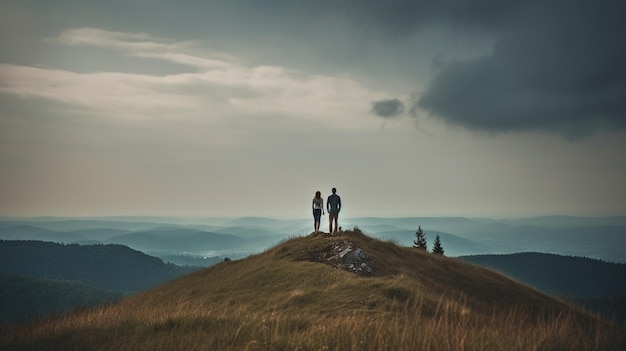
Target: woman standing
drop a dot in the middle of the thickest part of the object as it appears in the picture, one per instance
(318, 210)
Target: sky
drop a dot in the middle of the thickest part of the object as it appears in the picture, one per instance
(482, 108)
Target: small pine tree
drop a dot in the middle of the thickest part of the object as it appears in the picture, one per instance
(420, 239)
(437, 249)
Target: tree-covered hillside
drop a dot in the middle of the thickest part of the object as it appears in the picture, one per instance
(109, 267)
(559, 275)
(23, 298)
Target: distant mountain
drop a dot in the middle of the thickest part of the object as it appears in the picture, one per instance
(30, 232)
(602, 238)
(185, 260)
(245, 232)
(288, 226)
(26, 298)
(97, 234)
(109, 267)
(607, 242)
(558, 275)
(255, 221)
(177, 239)
(457, 225)
(71, 224)
(453, 245)
(160, 239)
(25, 232)
(569, 221)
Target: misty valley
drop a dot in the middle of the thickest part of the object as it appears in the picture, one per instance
(51, 265)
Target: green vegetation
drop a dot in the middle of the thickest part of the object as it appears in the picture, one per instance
(23, 298)
(108, 267)
(437, 248)
(289, 298)
(596, 285)
(558, 275)
(420, 240)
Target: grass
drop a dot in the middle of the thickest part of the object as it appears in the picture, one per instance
(283, 299)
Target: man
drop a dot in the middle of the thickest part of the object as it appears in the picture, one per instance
(333, 205)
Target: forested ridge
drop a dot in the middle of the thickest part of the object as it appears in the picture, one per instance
(559, 275)
(110, 267)
(24, 298)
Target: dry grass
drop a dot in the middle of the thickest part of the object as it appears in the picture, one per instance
(281, 300)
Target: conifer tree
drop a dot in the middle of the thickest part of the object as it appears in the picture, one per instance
(437, 248)
(420, 239)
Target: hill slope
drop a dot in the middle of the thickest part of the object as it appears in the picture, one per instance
(108, 267)
(23, 298)
(304, 294)
(597, 285)
(559, 275)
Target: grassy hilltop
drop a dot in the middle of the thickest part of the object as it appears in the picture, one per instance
(292, 297)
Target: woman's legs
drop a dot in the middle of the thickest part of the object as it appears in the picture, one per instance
(317, 216)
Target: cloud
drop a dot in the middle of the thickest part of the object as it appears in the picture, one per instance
(387, 108)
(219, 87)
(550, 66)
(561, 72)
(400, 18)
(143, 45)
(502, 66)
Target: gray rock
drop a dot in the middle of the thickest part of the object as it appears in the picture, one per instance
(346, 255)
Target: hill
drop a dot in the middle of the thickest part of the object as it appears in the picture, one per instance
(24, 298)
(152, 238)
(177, 239)
(17, 232)
(559, 275)
(597, 285)
(320, 292)
(109, 267)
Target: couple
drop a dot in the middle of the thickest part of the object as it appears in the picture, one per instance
(333, 205)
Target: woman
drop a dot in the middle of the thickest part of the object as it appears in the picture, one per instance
(318, 210)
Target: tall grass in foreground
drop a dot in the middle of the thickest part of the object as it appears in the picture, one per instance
(449, 327)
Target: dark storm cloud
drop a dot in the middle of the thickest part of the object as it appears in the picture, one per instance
(398, 17)
(387, 108)
(558, 66)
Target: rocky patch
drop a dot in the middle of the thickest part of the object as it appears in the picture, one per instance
(346, 255)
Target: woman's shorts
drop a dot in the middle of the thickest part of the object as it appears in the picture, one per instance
(317, 214)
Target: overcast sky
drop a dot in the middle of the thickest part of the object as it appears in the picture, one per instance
(246, 108)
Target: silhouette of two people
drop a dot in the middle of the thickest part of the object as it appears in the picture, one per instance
(333, 206)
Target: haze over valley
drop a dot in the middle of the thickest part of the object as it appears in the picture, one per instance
(599, 238)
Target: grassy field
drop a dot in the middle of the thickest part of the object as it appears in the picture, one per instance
(286, 299)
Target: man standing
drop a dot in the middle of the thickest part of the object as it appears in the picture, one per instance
(333, 205)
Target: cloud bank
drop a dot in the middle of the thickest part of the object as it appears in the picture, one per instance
(218, 85)
(558, 67)
(501, 66)
(554, 66)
